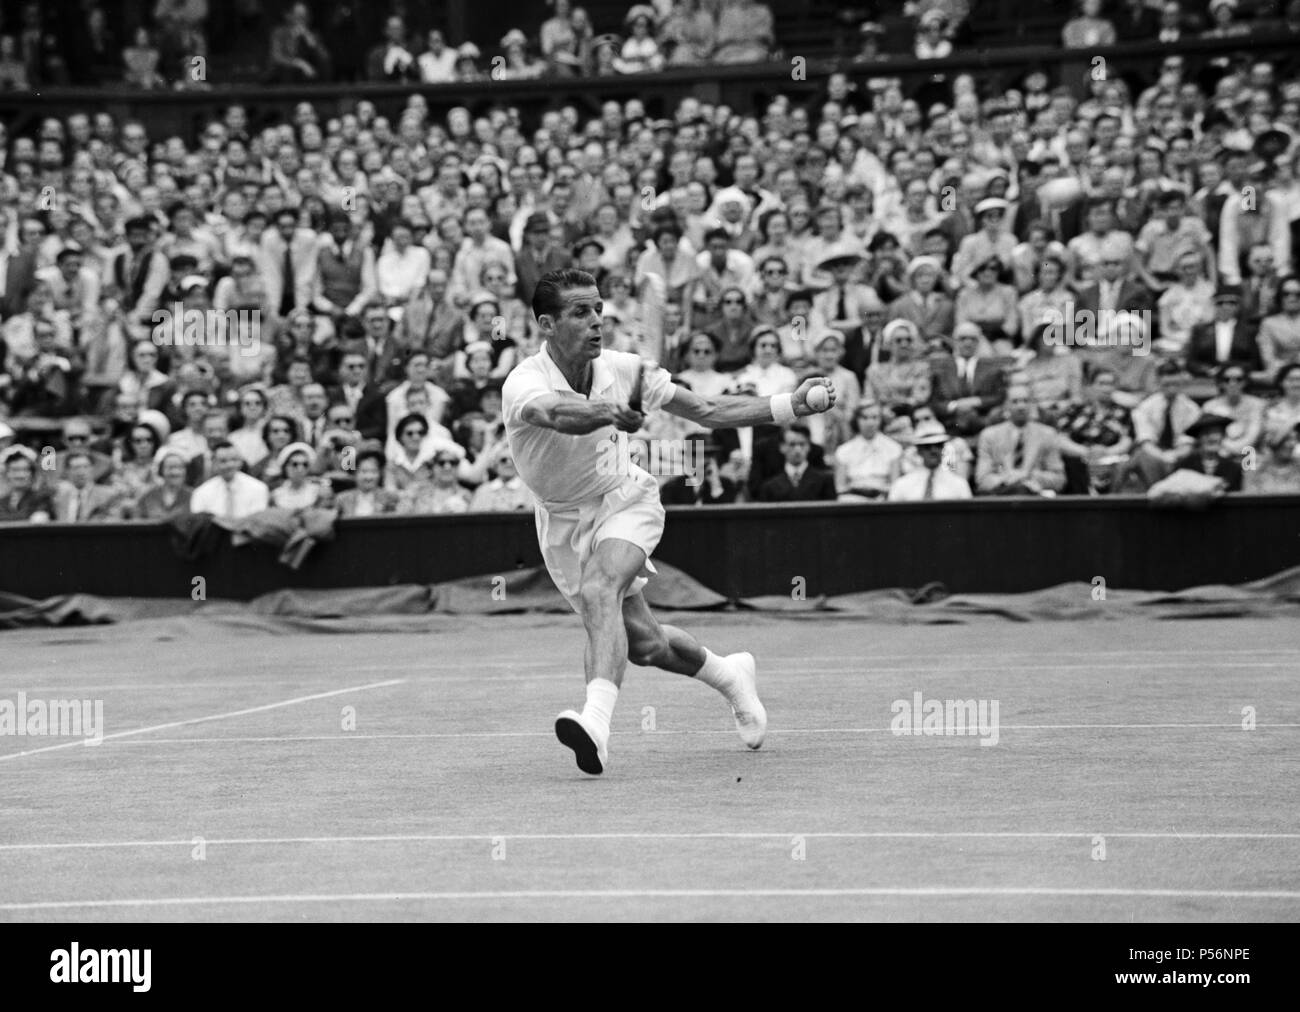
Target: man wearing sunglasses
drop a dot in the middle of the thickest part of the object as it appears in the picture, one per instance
(598, 525)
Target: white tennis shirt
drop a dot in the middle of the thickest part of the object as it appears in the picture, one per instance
(559, 468)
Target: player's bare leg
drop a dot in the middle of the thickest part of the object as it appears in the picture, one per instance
(651, 644)
(605, 579)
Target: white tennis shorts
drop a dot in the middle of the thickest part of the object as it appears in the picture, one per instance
(569, 535)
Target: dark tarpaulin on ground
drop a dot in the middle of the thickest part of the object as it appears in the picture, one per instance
(382, 609)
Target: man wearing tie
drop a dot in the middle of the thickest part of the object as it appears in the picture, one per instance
(79, 499)
(933, 481)
(1227, 340)
(231, 494)
(365, 398)
(1019, 456)
(288, 263)
(140, 274)
(315, 408)
(965, 388)
(1160, 425)
(798, 481)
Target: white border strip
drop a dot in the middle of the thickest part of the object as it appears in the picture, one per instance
(924, 892)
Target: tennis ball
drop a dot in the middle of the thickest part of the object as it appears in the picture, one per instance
(819, 398)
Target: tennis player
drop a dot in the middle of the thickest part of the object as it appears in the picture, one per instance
(597, 529)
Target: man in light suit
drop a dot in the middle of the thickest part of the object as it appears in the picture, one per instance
(79, 499)
(966, 388)
(1019, 456)
(799, 481)
(302, 246)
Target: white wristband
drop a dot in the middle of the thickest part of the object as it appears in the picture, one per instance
(783, 409)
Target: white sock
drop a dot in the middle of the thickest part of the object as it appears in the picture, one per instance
(602, 694)
(717, 673)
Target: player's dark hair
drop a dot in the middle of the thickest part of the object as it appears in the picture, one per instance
(548, 297)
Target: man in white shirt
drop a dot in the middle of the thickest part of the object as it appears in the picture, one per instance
(403, 267)
(437, 63)
(933, 481)
(478, 248)
(231, 494)
(599, 516)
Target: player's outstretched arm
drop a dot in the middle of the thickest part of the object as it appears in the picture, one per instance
(733, 411)
(578, 417)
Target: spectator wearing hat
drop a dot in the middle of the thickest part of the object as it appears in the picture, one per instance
(22, 499)
(1209, 456)
(1019, 456)
(932, 481)
(744, 32)
(1184, 304)
(1279, 472)
(538, 256)
(989, 241)
(441, 492)
(869, 36)
(799, 480)
(467, 57)
(504, 493)
(991, 306)
(1160, 426)
(298, 490)
(844, 303)
(689, 34)
(903, 379)
(1279, 334)
(1246, 411)
(1226, 340)
(930, 43)
(230, 494)
(966, 386)
(868, 463)
(169, 496)
(518, 67)
(640, 52)
(924, 304)
(832, 427)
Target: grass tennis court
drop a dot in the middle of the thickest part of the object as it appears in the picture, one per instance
(451, 798)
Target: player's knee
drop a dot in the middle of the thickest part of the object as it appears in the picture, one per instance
(599, 593)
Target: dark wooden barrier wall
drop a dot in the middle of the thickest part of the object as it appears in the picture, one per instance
(986, 545)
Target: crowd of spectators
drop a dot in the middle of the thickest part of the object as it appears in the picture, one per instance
(354, 288)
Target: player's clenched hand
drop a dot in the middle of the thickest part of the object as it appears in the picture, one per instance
(802, 407)
(624, 418)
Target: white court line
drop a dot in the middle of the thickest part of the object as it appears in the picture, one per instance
(571, 672)
(923, 892)
(425, 735)
(81, 743)
(569, 837)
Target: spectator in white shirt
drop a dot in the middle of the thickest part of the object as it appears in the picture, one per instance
(867, 464)
(403, 267)
(437, 63)
(231, 494)
(933, 481)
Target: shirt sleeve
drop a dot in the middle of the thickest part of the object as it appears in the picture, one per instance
(658, 388)
(522, 386)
